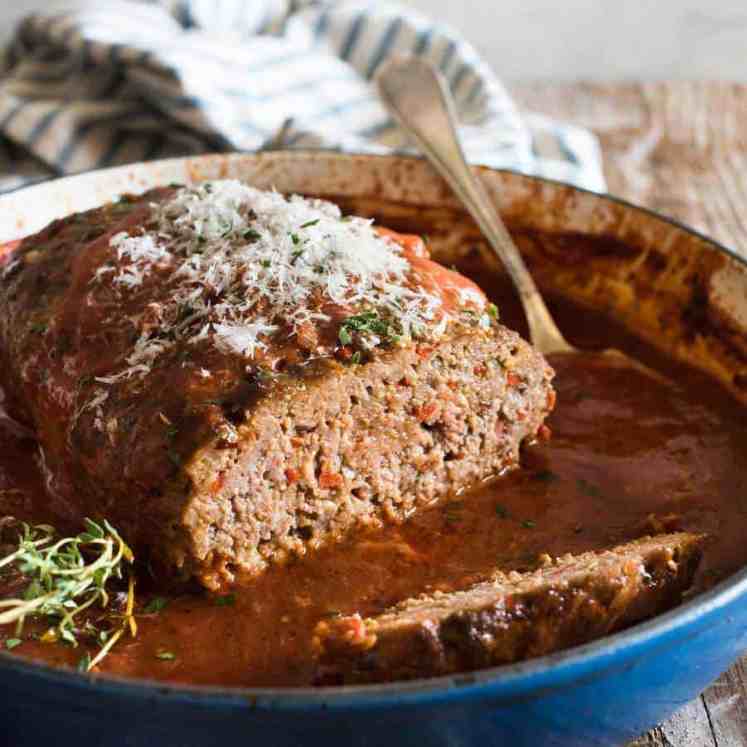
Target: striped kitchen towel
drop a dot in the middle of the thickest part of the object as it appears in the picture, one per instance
(111, 82)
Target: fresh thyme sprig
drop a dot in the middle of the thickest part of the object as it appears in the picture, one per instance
(68, 575)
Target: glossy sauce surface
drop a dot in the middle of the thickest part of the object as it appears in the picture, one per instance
(628, 456)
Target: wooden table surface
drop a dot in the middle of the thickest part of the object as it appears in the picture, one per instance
(681, 149)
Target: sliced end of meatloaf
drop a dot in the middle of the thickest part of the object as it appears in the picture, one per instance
(230, 375)
(511, 617)
(348, 445)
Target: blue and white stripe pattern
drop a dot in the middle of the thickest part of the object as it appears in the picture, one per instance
(114, 81)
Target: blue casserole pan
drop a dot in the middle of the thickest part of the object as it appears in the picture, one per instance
(603, 693)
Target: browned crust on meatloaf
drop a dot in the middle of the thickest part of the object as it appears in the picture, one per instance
(217, 477)
(570, 601)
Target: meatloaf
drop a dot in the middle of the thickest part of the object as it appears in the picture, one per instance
(512, 617)
(231, 376)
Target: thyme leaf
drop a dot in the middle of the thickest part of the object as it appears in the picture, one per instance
(155, 605)
(68, 575)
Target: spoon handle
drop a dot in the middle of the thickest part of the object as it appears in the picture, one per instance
(417, 96)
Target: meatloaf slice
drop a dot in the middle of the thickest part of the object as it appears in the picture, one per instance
(569, 601)
(360, 444)
(230, 376)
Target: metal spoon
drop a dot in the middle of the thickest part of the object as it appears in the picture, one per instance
(418, 97)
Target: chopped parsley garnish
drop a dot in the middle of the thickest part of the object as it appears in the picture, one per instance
(369, 322)
(501, 511)
(155, 605)
(39, 327)
(528, 524)
(356, 357)
(492, 311)
(345, 336)
(174, 457)
(11, 643)
(166, 655)
(215, 268)
(227, 600)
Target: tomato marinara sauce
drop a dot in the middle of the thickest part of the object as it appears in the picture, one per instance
(628, 456)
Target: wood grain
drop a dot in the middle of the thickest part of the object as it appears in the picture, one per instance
(681, 149)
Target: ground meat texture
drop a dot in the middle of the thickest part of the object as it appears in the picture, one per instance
(352, 445)
(511, 617)
(215, 466)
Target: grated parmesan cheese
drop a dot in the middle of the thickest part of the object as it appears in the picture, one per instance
(243, 266)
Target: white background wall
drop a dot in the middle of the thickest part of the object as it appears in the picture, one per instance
(605, 39)
(591, 39)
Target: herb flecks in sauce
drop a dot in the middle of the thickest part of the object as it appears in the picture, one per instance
(227, 600)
